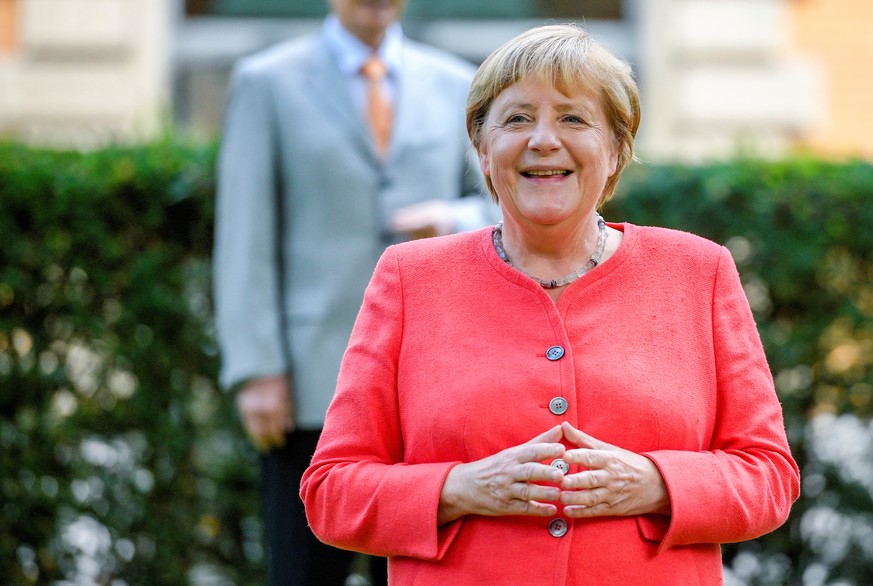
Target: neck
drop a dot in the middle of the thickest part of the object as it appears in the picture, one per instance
(551, 251)
(374, 41)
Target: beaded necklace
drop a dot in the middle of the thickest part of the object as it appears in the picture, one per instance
(497, 238)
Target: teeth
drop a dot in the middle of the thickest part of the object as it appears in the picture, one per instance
(547, 173)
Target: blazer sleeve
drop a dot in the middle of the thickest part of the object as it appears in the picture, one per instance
(358, 492)
(246, 282)
(744, 485)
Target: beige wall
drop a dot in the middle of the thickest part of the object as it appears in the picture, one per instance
(719, 78)
(838, 36)
(82, 73)
(764, 77)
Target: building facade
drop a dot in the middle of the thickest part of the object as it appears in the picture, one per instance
(718, 77)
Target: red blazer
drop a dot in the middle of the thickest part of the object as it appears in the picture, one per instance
(448, 363)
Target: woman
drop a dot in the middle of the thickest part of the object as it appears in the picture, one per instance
(555, 400)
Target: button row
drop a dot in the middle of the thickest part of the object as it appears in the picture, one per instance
(558, 406)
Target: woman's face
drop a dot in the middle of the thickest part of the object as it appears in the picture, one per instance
(548, 155)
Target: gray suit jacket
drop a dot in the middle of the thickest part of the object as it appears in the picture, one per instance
(304, 201)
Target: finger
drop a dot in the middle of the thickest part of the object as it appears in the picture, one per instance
(256, 430)
(582, 439)
(433, 216)
(253, 419)
(539, 448)
(536, 493)
(584, 480)
(410, 221)
(552, 435)
(587, 498)
(532, 500)
(276, 422)
(259, 441)
(256, 422)
(534, 472)
(260, 445)
(587, 458)
(275, 431)
(413, 221)
(532, 509)
(598, 510)
(530, 453)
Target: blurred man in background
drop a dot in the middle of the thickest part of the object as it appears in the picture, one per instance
(334, 146)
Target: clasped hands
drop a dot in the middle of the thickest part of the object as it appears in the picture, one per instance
(612, 481)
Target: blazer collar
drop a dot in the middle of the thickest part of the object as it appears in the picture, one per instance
(330, 88)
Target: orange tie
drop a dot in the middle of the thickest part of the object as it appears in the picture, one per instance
(378, 108)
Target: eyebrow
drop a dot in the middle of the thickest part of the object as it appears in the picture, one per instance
(563, 107)
(517, 105)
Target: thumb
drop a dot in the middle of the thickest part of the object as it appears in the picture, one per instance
(582, 439)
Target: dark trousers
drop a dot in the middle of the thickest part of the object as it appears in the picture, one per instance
(295, 557)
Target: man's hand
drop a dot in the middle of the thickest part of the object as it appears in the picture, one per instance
(266, 410)
(422, 220)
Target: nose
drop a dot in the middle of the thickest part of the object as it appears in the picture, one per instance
(544, 137)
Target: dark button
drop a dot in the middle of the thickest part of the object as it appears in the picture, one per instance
(554, 353)
(558, 405)
(558, 528)
(560, 465)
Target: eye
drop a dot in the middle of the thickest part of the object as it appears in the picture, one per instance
(516, 119)
(574, 119)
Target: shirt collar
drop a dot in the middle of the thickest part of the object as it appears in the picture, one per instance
(351, 53)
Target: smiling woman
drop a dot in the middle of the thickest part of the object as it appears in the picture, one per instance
(610, 421)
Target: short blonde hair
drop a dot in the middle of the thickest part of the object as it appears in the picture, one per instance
(571, 58)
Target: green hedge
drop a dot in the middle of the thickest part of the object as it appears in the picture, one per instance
(121, 459)
(123, 462)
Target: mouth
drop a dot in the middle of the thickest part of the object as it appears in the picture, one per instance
(546, 173)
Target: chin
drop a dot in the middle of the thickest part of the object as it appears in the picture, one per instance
(547, 217)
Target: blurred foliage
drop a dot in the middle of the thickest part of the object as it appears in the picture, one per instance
(124, 463)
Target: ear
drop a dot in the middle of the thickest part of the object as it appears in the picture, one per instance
(613, 160)
(484, 162)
